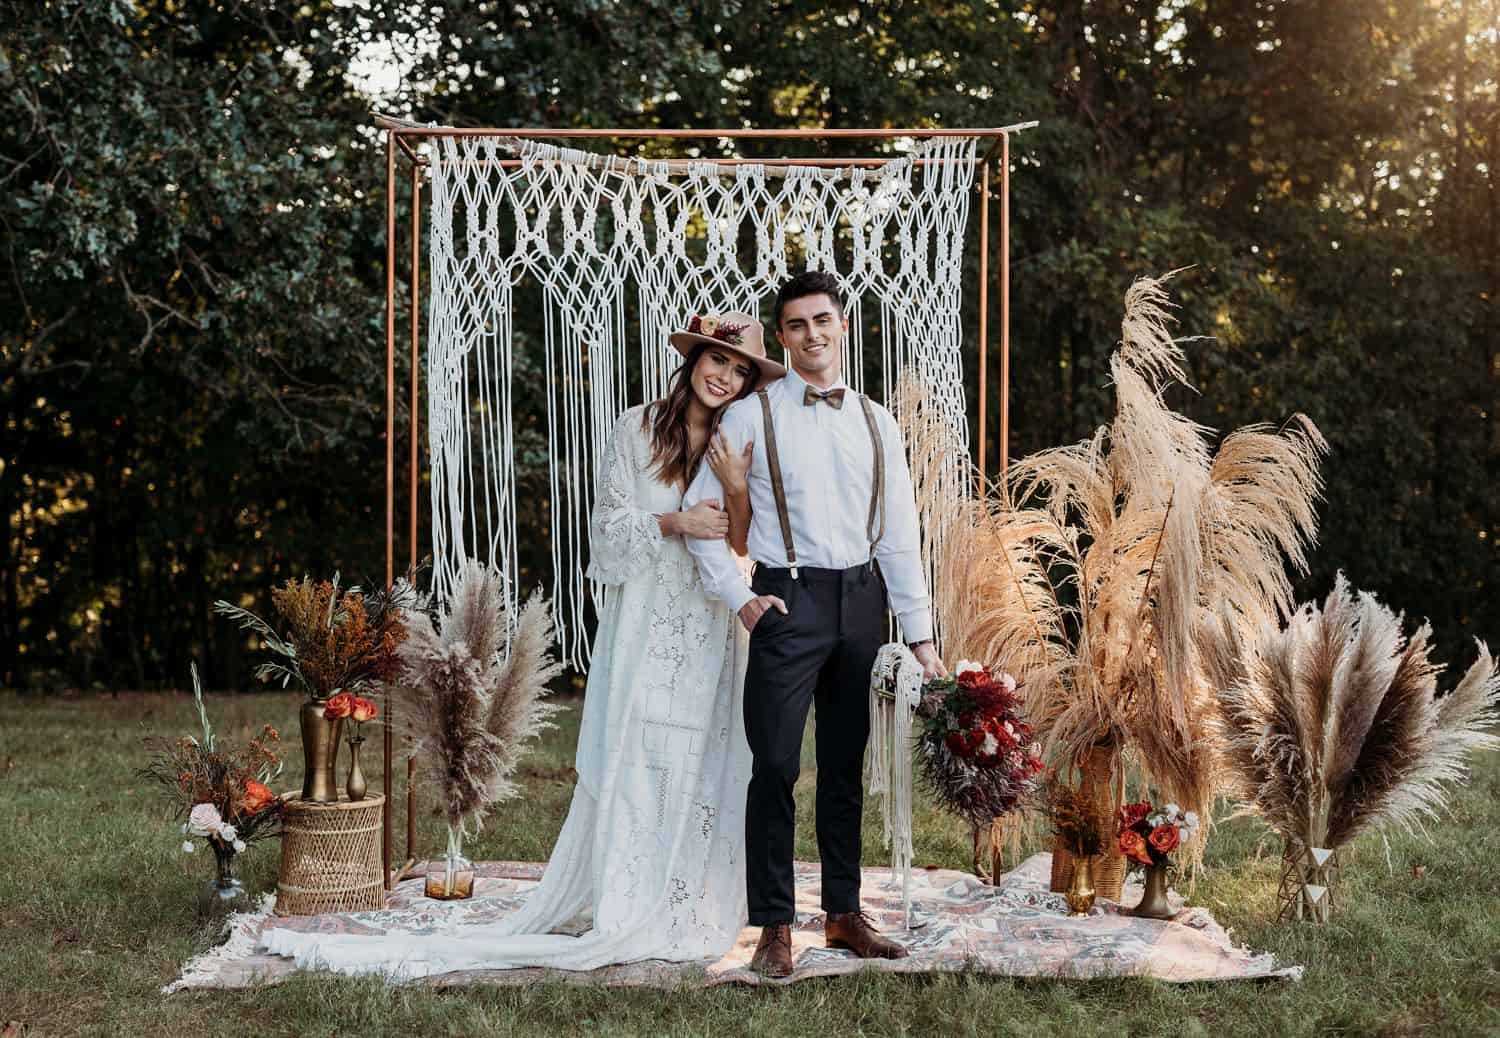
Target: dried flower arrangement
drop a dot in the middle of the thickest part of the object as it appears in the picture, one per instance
(469, 697)
(1073, 823)
(221, 792)
(1091, 573)
(1333, 725)
(336, 640)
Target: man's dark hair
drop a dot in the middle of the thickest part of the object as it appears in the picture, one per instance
(809, 283)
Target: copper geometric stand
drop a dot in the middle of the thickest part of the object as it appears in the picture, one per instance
(1308, 878)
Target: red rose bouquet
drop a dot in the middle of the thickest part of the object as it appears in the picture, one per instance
(979, 758)
(1148, 837)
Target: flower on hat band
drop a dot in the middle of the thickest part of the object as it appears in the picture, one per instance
(724, 331)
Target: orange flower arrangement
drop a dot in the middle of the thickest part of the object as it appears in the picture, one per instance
(1148, 837)
(219, 788)
(337, 640)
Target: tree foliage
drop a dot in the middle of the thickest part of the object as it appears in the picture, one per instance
(192, 351)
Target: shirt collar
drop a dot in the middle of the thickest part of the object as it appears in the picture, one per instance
(798, 386)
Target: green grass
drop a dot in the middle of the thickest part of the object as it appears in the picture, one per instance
(97, 913)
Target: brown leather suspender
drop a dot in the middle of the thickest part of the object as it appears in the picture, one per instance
(877, 488)
(774, 464)
(778, 488)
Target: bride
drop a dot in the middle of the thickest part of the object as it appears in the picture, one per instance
(649, 863)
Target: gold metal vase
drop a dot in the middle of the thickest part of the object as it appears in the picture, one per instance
(1154, 901)
(320, 753)
(1080, 892)
(356, 787)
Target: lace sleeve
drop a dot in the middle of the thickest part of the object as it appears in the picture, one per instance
(624, 538)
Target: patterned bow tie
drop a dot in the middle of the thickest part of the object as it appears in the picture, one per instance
(834, 398)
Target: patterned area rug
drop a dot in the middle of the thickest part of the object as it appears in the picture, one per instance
(1016, 928)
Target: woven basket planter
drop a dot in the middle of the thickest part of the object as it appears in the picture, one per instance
(330, 857)
(1099, 782)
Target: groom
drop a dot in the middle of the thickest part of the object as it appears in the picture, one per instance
(833, 535)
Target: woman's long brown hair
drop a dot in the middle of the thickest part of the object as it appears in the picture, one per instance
(665, 421)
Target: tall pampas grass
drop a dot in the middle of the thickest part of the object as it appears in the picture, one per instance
(1332, 724)
(469, 699)
(1099, 573)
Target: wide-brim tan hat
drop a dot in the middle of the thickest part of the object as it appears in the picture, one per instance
(739, 333)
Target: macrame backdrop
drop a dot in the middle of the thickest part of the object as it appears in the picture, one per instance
(593, 238)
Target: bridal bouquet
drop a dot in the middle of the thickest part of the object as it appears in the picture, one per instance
(979, 757)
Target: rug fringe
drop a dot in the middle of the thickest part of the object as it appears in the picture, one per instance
(243, 929)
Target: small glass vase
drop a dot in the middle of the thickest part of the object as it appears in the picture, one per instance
(451, 877)
(224, 892)
(1154, 901)
(356, 787)
(1080, 892)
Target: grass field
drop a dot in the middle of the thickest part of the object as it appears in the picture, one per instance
(97, 913)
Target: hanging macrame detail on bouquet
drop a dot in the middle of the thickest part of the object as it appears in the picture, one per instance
(607, 256)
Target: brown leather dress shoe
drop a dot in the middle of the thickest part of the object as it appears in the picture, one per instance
(853, 931)
(773, 955)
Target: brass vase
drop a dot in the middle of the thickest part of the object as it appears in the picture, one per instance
(320, 753)
(356, 786)
(1080, 892)
(1154, 901)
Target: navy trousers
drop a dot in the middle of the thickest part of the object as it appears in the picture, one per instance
(819, 654)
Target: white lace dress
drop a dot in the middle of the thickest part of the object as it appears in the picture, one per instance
(650, 858)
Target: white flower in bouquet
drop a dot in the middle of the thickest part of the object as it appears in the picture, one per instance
(188, 846)
(1171, 810)
(964, 666)
(1007, 682)
(239, 846)
(989, 746)
(204, 820)
(228, 833)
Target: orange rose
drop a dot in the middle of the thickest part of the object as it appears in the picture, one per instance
(341, 705)
(1134, 847)
(1165, 838)
(256, 797)
(364, 710)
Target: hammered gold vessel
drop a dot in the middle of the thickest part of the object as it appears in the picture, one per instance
(1080, 892)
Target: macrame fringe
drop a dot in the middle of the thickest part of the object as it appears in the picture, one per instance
(896, 671)
(575, 232)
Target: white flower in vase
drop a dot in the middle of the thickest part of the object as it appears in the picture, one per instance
(204, 820)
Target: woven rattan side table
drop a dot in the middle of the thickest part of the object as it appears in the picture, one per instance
(330, 857)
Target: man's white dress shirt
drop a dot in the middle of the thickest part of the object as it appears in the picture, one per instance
(827, 470)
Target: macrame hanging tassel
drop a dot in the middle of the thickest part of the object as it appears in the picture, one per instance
(895, 692)
(566, 232)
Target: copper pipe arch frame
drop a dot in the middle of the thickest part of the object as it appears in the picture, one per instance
(397, 134)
